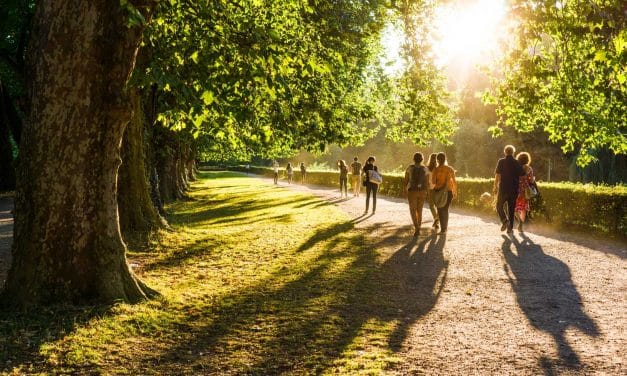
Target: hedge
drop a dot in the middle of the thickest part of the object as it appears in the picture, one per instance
(601, 209)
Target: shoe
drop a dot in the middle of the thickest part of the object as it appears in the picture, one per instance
(510, 231)
(504, 225)
(443, 232)
(416, 233)
(520, 226)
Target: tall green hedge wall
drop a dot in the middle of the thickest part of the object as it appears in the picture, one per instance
(599, 208)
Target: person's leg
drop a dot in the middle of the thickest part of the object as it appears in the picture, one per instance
(420, 202)
(500, 208)
(443, 213)
(368, 190)
(354, 182)
(375, 187)
(412, 199)
(345, 186)
(511, 206)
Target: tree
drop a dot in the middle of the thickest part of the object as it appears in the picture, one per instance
(67, 245)
(565, 73)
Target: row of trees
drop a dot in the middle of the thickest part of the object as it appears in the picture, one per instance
(112, 105)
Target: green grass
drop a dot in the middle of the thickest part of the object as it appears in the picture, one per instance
(255, 279)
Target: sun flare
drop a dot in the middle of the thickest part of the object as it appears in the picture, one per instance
(468, 30)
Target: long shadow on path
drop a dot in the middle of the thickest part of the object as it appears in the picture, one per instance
(547, 295)
(309, 322)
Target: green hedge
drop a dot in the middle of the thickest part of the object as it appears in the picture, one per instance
(599, 208)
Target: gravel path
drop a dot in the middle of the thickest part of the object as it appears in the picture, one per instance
(538, 302)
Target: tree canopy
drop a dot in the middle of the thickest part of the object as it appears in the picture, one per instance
(566, 73)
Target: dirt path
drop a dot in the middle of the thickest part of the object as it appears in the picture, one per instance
(538, 302)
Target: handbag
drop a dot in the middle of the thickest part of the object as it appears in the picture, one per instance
(440, 196)
(375, 177)
(530, 192)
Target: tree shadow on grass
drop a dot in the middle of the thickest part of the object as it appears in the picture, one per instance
(306, 324)
(547, 295)
(23, 333)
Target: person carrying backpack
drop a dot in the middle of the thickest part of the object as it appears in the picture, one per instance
(416, 184)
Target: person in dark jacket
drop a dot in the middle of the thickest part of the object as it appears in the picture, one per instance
(506, 181)
(371, 188)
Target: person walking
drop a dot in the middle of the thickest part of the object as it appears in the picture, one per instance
(506, 181)
(443, 178)
(290, 172)
(371, 188)
(525, 182)
(416, 184)
(275, 167)
(431, 165)
(341, 165)
(303, 172)
(356, 176)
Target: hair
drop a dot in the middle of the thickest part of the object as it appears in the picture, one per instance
(432, 161)
(355, 159)
(418, 158)
(289, 164)
(524, 158)
(441, 157)
(371, 159)
(341, 163)
(509, 149)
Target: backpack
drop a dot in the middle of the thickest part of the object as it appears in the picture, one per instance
(417, 179)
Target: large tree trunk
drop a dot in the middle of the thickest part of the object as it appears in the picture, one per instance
(67, 244)
(137, 212)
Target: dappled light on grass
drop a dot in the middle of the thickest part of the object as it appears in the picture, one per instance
(259, 279)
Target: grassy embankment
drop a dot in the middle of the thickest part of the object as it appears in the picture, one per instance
(254, 279)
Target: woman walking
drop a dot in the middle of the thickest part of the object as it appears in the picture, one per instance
(341, 165)
(290, 172)
(371, 188)
(431, 165)
(444, 178)
(303, 172)
(525, 182)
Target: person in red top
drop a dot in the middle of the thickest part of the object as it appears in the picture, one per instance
(522, 203)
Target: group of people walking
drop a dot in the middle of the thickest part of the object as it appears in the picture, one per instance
(434, 183)
(289, 171)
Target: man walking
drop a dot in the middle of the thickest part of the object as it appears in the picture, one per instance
(507, 174)
(356, 176)
(275, 168)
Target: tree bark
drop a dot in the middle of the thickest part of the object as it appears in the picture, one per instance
(136, 209)
(67, 243)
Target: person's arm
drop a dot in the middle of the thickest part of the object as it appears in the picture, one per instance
(406, 181)
(497, 181)
(453, 183)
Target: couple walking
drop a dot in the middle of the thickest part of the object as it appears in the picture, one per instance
(435, 184)
(514, 185)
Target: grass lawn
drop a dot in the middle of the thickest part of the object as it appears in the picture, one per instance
(255, 279)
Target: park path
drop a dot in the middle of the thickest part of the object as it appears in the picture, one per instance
(538, 302)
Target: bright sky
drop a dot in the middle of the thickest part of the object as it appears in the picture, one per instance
(466, 31)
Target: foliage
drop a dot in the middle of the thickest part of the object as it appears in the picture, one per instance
(263, 76)
(235, 300)
(566, 73)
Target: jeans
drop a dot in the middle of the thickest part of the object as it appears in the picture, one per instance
(371, 188)
(443, 212)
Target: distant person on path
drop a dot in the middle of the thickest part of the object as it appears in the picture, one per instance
(431, 165)
(341, 165)
(247, 169)
(290, 172)
(371, 188)
(443, 177)
(522, 202)
(303, 172)
(356, 176)
(416, 184)
(506, 181)
(275, 167)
